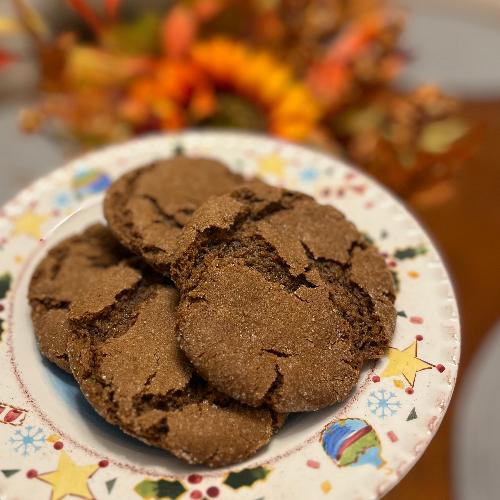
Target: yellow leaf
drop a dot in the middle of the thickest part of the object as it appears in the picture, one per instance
(357, 121)
(31, 20)
(437, 137)
(9, 26)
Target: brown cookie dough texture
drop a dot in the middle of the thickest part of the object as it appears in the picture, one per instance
(61, 279)
(127, 362)
(147, 207)
(281, 298)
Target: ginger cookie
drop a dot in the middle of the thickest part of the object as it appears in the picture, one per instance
(61, 278)
(147, 207)
(282, 299)
(125, 357)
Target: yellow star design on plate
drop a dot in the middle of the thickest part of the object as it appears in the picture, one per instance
(405, 363)
(69, 478)
(29, 223)
(272, 164)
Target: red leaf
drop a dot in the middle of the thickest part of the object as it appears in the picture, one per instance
(178, 31)
(82, 8)
(6, 59)
(112, 7)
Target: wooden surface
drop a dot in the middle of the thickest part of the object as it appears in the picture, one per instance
(467, 230)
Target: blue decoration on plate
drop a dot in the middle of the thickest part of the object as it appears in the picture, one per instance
(88, 182)
(352, 441)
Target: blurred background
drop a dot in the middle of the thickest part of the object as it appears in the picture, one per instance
(408, 91)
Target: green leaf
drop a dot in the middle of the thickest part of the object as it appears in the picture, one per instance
(246, 477)
(5, 280)
(146, 489)
(110, 485)
(170, 489)
(402, 314)
(140, 37)
(410, 252)
(160, 489)
(438, 137)
(412, 415)
(179, 149)
(10, 472)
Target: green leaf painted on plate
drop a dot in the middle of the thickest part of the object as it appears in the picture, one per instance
(110, 485)
(160, 489)
(410, 252)
(179, 149)
(246, 477)
(402, 314)
(412, 415)
(5, 280)
(10, 472)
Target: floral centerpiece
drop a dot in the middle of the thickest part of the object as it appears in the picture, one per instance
(318, 72)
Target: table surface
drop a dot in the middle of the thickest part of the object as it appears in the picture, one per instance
(466, 229)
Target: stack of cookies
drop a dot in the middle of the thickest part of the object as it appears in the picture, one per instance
(210, 308)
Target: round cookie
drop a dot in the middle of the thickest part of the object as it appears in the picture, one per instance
(127, 362)
(61, 278)
(282, 299)
(147, 207)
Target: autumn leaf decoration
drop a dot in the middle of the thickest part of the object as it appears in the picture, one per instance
(90, 16)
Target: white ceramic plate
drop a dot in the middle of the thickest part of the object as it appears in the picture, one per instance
(53, 444)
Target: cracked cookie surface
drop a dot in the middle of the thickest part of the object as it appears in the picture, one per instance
(147, 207)
(125, 357)
(59, 281)
(282, 299)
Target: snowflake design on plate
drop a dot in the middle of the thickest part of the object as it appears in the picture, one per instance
(28, 440)
(383, 403)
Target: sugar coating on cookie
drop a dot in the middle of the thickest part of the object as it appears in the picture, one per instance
(127, 362)
(282, 299)
(146, 208)
(61, 278)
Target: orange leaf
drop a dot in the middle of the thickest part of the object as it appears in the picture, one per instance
(206, 9)
(329, 81)
(354, 40)
(178, 31)
(82, 8)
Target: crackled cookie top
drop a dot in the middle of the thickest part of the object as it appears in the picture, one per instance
(281, 298)
(125, 357)
(147, 207)
(60, 280)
